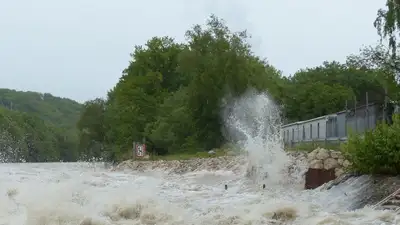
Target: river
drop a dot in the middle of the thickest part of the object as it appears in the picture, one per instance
(87, 193)
(190, 193)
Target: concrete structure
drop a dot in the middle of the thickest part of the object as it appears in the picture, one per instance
(317, 177)
(312, 129)
(333, 127)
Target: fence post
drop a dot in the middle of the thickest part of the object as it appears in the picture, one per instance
(384, 106)
(345, 119)
(355, 114)
(367, 109)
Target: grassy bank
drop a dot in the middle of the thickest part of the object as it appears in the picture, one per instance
(307, 147)
(310, 146)
(186, 155)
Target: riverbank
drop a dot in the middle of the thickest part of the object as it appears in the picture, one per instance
(231, 163)
(237, 164)
(364, 190)
(192, 155)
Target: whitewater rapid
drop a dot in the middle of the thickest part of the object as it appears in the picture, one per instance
(86, 193)
(191, 192)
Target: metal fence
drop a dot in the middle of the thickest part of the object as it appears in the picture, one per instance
(333, 129)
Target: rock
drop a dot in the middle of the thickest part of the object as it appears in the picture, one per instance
(311, 155)
(330, 163)
(322, 154)
(346, 163)
(340, 161)
(316, 164)
(335, 154)
(339, 172)
(211, 152)
(231, 153)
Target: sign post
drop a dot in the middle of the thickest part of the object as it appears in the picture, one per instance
(140, 150)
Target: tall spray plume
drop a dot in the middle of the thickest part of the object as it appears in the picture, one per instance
(253, 122)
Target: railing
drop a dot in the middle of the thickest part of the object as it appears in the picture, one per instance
(383, 201)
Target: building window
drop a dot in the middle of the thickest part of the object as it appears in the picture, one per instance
(304, 133)
(310, 131)
(318, 130)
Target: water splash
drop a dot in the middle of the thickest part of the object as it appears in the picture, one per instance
(253, 121)
(11, 148)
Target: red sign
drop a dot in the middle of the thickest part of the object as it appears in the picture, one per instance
(140, 150)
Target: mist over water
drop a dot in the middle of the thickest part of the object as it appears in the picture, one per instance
(254, 122)
(190, 192)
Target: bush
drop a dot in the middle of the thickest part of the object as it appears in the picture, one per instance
(377, 151)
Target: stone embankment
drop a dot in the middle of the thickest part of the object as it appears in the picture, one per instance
(232, 163)
(318, 159)
(326, 159)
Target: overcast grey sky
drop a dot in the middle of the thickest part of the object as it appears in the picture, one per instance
(78, 48)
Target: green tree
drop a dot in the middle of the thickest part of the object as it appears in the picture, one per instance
(387, 23)
(324, 89)
(377, 151)
(25, 137)
(45, 122)
(170, 94)
(91, 126)
(224, 65)
(384, 66)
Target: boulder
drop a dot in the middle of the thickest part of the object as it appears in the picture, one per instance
(330, 163)
(335, 154)
(316, 164)
(346, 163)
(322, 154)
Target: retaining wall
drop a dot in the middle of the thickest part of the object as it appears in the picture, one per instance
(324, 165)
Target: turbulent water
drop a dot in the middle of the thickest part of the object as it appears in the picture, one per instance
(186, 193)
(73, 193)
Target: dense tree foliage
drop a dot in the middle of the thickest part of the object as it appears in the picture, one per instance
(61, 111)
(377, 151)
(171, 94)
(37, 127)
(388, 23)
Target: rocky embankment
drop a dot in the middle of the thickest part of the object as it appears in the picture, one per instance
(318, 159)
(232, 163)
(322, 158)
(370, 189)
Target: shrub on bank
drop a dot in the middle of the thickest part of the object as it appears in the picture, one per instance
(377, 151)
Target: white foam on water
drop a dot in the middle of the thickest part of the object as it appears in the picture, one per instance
(254, 122)
(71, 193)
(88, 194)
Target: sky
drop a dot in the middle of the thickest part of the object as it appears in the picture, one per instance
(78, 48)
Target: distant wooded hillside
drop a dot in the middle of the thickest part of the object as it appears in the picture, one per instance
(37, 127)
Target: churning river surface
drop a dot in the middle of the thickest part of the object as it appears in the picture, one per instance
(189, 193)
(87, 193)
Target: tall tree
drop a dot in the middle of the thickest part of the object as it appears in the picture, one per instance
(91, 126)
(387, 23)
